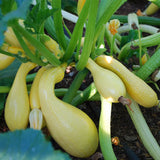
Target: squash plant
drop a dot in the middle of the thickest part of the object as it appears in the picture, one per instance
(34, 34)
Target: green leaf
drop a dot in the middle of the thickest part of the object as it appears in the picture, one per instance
(37, 17)
(28, 144)
(21, 12)
(7, 6)
(7, 75)
(132, 35)
(102, 7)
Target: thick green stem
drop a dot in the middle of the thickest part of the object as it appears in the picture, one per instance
(112, 46)
(105, 130)
(142, 19)
(75, 86)
(143, 27)
(60, 92)
(42, 6)
(89, 35)
(148, 41)
(140, 48)
(57, 16)
(143, 130)
(30, 77)
(4, 89)
(149, 67)
(77, 32)
(87, 94)
(49, 26)
(40, 47)
(100, 40)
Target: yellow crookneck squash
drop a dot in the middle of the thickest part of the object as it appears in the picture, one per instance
(17, 104)
(140, 91)
(108, 84)
(71, 128)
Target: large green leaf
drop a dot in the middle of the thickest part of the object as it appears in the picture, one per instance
(7, 75)
(20, 12)
(28, 144)
(7, 6)
(37, 17)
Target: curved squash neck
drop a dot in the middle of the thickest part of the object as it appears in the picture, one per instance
(54, 75)
(24, 69)
(92, 66)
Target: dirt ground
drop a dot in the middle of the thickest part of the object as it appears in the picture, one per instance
(121, 124)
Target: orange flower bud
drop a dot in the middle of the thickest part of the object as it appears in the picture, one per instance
(113, 26)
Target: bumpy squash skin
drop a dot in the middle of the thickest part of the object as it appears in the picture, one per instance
(108, 84)
(136, 87)
(17, 104)
(71, 128)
